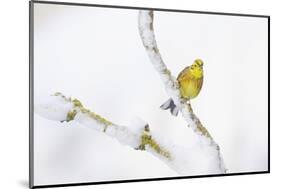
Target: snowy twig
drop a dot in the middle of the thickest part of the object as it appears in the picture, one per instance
(148, 38)
(60, 108)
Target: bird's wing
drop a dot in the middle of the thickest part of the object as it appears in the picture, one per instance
(180, 76)
(200, 83)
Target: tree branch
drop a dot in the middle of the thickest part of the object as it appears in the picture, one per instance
(183, 160)
(60, 108)
(172, 88)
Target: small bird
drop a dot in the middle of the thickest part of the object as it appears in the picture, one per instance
(190, 82)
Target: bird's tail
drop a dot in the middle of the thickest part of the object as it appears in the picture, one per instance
(169, 104)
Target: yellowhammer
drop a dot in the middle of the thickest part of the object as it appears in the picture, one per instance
(190, 83)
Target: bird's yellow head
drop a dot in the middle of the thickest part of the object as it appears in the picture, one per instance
(196, 69)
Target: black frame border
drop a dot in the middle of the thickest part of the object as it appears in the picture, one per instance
(31, 91)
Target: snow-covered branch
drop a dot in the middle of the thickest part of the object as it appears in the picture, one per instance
(60, 108)
(184, 160)
(148, 38)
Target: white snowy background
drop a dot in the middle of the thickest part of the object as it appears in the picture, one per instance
(96, 55)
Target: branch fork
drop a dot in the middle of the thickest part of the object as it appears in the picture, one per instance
(180, 159)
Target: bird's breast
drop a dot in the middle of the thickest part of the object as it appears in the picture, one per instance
(190, 88)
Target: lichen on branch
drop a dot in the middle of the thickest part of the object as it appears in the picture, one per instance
(78, 106)
(147, 140)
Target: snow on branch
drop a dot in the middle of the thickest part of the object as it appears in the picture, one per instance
(172, 88)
